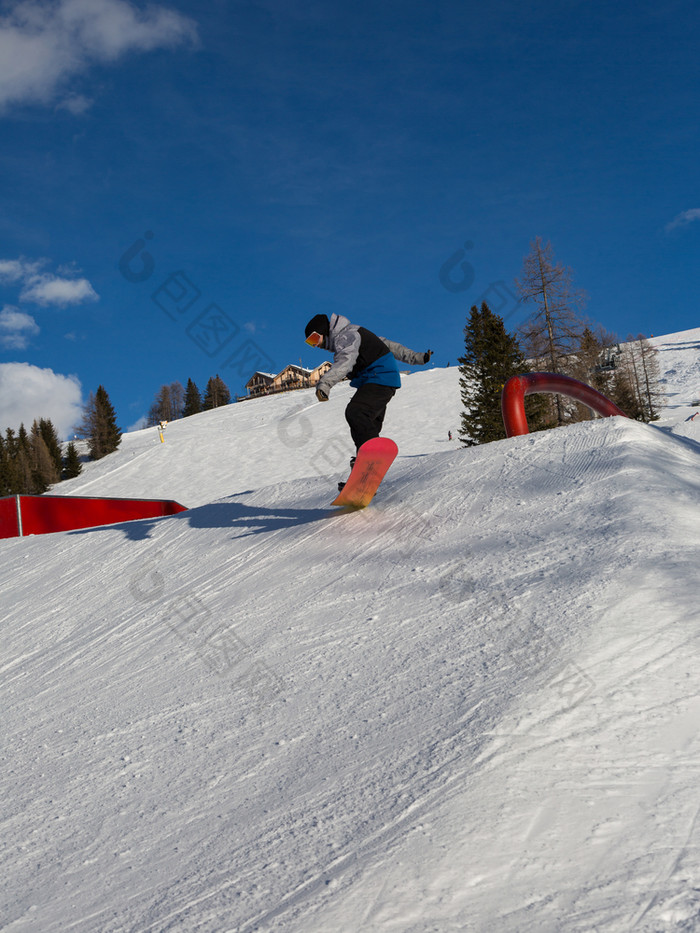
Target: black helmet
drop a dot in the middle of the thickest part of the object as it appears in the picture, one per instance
(319, 324)
(317, 330)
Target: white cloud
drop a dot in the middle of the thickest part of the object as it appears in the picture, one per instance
(16, 270)
(44, 43)
(16, 328)
(107, 29)
(49, 289)
(46, 288)
(28, 392)
(138, 425)
(683, 219)
(77, 104)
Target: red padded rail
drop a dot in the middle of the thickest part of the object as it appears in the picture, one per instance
(9, 517)
(40, 515)
(517, 387)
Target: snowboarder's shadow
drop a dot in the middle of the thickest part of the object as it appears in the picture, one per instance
(245, 519)
(253, 519)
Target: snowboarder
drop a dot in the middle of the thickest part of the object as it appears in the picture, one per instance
(370, 364)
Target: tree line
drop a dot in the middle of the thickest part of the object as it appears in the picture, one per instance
(555, 338)
(172, 402)
(33, 461)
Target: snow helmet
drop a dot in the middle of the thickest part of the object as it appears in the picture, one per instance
(319, 324)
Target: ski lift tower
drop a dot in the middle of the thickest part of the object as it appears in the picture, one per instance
(607, 361)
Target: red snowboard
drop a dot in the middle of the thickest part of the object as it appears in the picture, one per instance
(373, 460)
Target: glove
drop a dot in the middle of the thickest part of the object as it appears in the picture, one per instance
(427, 355)
(321, 395)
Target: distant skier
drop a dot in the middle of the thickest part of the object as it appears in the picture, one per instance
(449, 435)
(370, 364)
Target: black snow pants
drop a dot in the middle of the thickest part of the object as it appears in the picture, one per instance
(366, 410)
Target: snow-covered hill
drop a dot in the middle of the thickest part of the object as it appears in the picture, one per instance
(267, 440)
(472, 706)
(679, 364)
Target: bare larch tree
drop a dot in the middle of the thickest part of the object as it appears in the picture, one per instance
(553, 331)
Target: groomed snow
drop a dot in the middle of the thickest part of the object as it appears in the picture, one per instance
(472, 706)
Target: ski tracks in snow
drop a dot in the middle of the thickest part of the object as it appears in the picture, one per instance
(465, 717)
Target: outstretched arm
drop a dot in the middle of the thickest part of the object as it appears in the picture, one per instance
(405, 355)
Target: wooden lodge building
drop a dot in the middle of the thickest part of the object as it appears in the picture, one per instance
(292, 377)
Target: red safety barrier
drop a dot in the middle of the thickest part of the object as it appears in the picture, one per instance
(9, 517)
(517, 387)
(40, 515)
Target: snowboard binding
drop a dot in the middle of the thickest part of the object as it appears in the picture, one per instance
(352, 464)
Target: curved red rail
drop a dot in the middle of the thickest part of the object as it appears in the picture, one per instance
(517, 387)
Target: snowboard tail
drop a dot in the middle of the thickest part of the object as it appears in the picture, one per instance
(373, 460)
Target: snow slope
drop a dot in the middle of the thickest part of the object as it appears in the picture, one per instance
(267, 440)
(679, 363)
(472, 706)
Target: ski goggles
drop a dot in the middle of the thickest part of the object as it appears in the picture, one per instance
(315, 339)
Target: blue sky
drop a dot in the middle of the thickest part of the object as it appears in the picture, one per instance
(184, 185)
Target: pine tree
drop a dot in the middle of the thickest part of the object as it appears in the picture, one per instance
(623, 394)
(99, 425)
(50, 436)
(13, 478)
(193, 400)
(217, 394)
(23, 461)
(491, 357)
(72, 466)
(43, 469)
(108, 436)
(5, 489)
